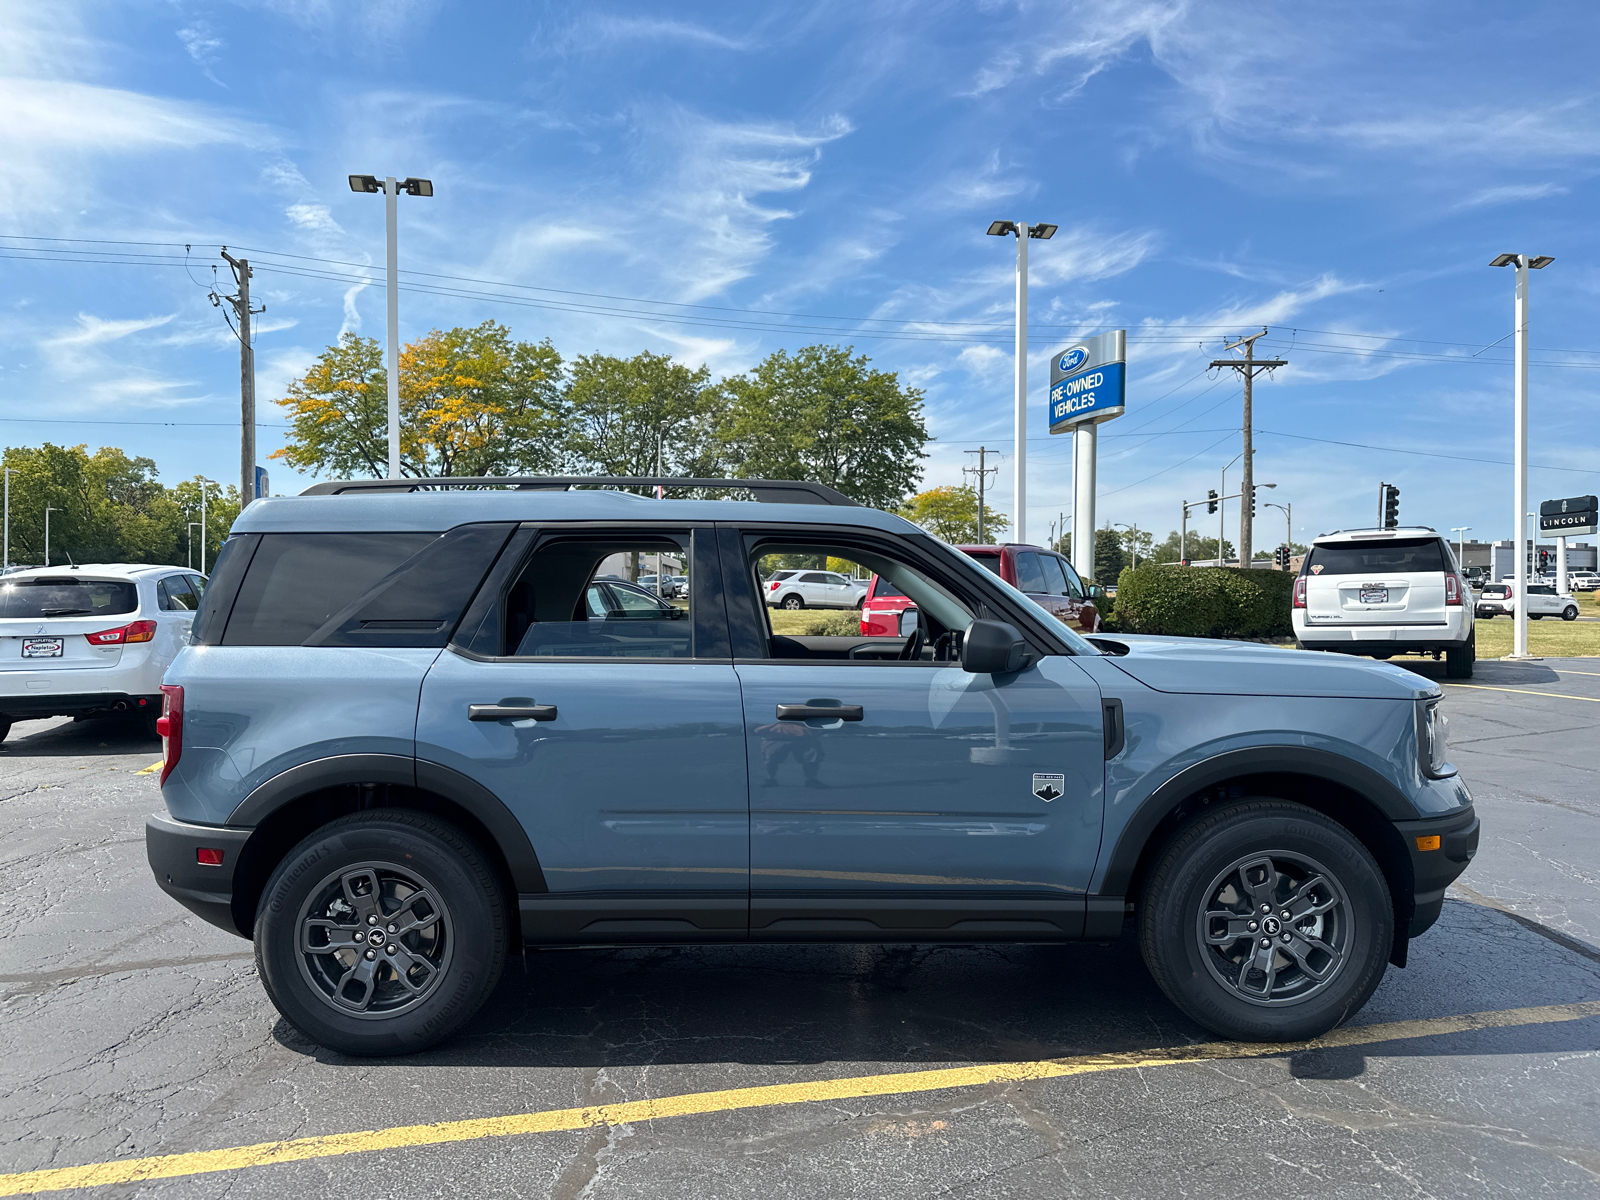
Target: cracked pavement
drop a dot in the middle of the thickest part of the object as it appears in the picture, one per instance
(129, 1027)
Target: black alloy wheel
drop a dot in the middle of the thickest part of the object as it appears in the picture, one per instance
(381, 933)
(1266, 921)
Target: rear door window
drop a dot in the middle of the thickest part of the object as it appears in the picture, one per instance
(1397, 556)
(176, 595)
(1030, 575)
(69, 596)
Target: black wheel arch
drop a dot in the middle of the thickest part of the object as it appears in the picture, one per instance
(293, 804)
(1344, 791)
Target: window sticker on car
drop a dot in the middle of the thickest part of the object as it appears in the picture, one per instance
(1316, 568)
(1049, 787)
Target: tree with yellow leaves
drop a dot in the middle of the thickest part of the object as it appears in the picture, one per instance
(472, 402)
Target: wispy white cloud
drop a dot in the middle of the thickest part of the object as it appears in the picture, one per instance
(1511, 193)
(202, 44)
(92, 330)
(656, 29)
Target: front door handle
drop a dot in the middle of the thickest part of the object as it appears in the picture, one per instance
(827, 712)
(511, 712)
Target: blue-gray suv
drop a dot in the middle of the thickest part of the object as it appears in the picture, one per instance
(423, 723)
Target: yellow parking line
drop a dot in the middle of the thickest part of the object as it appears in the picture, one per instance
(155, 766)
(1479, 687)
(171, 1166)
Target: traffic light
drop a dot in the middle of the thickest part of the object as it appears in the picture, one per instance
(1280, 558)
(1544, 561)
(1211, 504)
(1391, 506)
(1252, 499)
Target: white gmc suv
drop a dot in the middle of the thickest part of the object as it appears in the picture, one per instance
(79, 641)
(1382, 592)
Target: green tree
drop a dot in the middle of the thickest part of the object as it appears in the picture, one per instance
(1108, 556)
(951, 514)
(472, 402)
(107, 507)
(1195, 548)
(619, 409)
(825, 416)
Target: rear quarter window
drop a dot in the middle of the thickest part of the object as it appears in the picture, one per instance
(1391, 556)
(297, 581)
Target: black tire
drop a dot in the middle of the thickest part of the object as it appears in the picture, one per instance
(5, 727)
(1570, 613)
(1535, 616)
(146, 722)
(792, 602)
(452, 956)
(861, 603)
(1458, 661)
(1210, 982)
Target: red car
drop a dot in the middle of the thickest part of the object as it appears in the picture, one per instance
(1045, 576)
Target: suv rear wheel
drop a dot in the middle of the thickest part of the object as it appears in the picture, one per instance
(1458, 661)
(792, 601)
(381, 933)
(1266, 921)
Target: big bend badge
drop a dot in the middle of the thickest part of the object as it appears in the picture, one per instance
(1049, 787)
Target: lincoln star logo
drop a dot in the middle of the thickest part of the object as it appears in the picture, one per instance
(1074, 358)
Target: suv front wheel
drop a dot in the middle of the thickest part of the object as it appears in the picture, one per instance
(1265, 921)
(381, 933)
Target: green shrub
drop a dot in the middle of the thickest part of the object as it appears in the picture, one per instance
(811, 622)
(1214, 602)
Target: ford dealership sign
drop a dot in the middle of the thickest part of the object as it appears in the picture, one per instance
(1088, 381)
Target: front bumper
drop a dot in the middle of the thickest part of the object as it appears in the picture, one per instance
(1432, 871)
(75, 704)
(206, 891)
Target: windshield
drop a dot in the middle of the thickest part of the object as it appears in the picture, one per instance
(69, 597)
(1052, 622)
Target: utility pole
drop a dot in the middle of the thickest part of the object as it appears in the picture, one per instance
(240, 303)
(1249, 369)
(982, 471)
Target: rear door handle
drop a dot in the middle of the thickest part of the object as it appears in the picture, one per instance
(828, 712)
(511, 712)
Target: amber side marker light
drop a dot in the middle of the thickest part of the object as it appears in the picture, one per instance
(1431, 842)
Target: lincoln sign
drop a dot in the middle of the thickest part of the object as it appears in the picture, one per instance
(1576, 516)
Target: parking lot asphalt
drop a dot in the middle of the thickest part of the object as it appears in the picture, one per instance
(130, 1030)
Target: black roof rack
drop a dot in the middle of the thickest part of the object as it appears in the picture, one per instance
(772, 491)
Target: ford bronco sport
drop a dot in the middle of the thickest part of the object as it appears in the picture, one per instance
(407, 740)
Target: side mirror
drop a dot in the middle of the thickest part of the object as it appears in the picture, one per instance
(993, 648)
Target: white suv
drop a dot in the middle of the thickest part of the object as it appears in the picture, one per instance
(815, 589)
(97, 638)
(1583, 581)
(1383, 592)
(1543, 601)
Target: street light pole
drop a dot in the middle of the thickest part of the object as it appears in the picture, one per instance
(5, 561)
(1519, 438)
(48, 510)
(1222, 496)
(1133, 529)
(1461, 545)
(391, 189)
(204, 483)
(190, 555)
(1288, 525)
(1023, 232)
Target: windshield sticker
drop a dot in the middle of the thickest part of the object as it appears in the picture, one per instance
(1049, 787)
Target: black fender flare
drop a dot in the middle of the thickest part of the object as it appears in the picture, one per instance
(511, 840)
(1266, 760)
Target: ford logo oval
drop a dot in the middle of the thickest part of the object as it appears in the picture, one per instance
(1074, 358)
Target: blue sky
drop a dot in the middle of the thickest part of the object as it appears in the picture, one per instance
(1339, 173)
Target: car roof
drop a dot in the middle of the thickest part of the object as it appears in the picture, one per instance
(1374, 535)
(434, 512)
(996, 547)
(102, 570)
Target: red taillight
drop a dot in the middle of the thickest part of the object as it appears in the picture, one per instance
(170, 726)
(139, 631)
(1452, 590)
(774, 585)
(1300, 592)
(208, 856)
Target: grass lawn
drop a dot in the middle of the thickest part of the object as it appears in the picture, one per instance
(816, 622)
(1549, 638)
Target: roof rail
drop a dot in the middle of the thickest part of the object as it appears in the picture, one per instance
(1379, 529)
(772, 491)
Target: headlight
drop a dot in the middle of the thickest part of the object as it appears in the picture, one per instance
(1433, 739)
